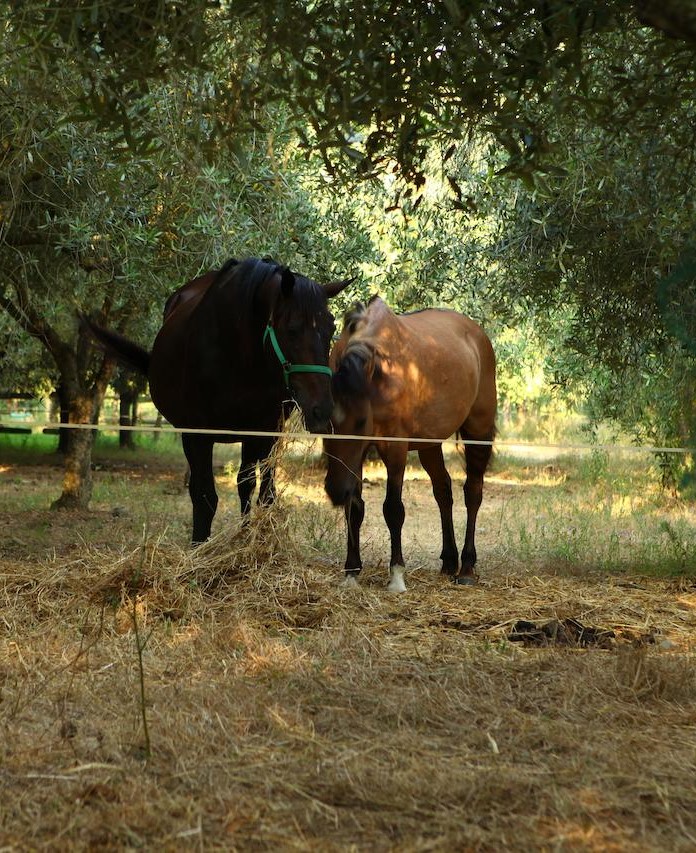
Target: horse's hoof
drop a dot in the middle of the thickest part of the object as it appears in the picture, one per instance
(397, 584)
(349, 582)
(449, 571)
(466, 580)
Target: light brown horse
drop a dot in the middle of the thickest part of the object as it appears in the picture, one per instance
(424, 375)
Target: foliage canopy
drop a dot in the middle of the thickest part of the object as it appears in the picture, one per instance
(370, 83)
(527, 162)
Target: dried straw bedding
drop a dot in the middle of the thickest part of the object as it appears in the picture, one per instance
(287, 712)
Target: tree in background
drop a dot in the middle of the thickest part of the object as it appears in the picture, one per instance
(90, 226)
(187, 100)
(369, 84)
(593, 247)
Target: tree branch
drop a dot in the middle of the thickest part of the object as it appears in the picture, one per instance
(33, 324)
(675, 18)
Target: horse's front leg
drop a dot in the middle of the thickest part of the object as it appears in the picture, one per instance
(354, 509)
(255, 450)
(199, 453)
(394, 458)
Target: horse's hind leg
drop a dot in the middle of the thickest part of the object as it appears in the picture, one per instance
(434, 463)
(477, 459)
(199, 453)
(394, 513)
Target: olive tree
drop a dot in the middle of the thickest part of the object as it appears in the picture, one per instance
(167, 102)
(90, 226)
(600, 248)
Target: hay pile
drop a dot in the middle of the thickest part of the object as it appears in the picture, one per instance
(285, 712)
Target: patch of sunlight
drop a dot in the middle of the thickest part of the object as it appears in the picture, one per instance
(590, 838)
(257, 653)
(71, 482)
(5, 468)
(688, 601)
(624, 506)
(414, 374)
(377, 471)
(187, 634)
(304, 491)
(272, 656)
(541, 480)
(289, 721)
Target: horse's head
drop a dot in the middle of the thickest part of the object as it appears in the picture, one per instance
(352, 416)
(298, 338)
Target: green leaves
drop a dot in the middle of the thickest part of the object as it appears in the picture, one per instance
(402, 77)
(676, 298)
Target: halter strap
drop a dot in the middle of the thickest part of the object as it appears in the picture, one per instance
(289, 368)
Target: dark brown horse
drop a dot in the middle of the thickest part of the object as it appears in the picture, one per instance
(425, 375)
(237, 346)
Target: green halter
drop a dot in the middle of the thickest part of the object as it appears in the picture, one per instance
(289, 368)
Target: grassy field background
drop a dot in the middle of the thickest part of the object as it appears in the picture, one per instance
(237, 697)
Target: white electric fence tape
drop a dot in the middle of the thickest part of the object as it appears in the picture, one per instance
(310, 437)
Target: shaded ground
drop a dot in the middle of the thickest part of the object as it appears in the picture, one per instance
(285, 712)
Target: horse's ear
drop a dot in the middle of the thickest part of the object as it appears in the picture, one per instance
(335, 287)
(287, 281)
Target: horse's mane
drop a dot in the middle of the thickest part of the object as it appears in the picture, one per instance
(247, 278)
(353, 316)
(350, 379)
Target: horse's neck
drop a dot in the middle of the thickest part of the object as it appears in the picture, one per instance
(237, 326)
(382, 326)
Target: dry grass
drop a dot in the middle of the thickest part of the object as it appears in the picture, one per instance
(287, 713)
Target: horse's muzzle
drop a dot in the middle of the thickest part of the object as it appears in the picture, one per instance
(318, 420)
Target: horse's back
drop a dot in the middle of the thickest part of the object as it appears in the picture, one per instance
(443, 343)
(170, 367)
(191, 292)
(443, 331)
(443, 373)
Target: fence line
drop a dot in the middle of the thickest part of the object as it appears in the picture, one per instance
(308, 437)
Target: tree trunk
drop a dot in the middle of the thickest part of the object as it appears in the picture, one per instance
(83, 401)
(80, 389)
(127, 407)
(77, 476)
(64, 418)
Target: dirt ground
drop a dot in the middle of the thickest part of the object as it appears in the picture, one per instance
(551, 707)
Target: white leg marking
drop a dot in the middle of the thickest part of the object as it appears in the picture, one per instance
(349, 582)
(396, 579)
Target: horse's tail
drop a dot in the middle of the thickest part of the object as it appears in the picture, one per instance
(126, 352)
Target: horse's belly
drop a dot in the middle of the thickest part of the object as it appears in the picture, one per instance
(441, 405)
(171, 393)
(188, 397)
